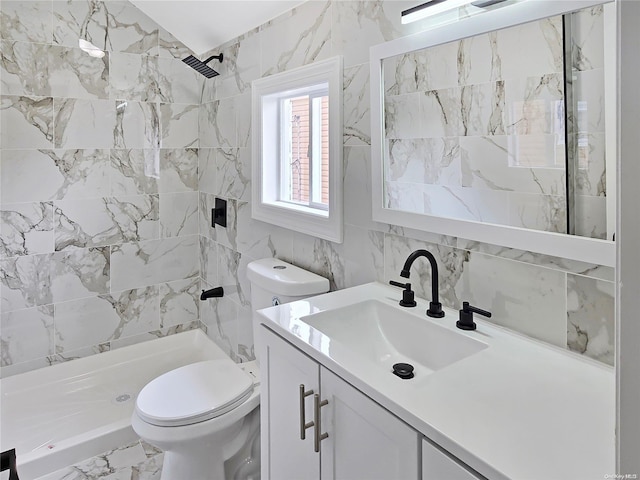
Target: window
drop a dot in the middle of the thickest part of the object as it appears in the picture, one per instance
(297, 149)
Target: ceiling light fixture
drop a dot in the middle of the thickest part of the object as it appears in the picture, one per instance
(90, 48)
(434, 7)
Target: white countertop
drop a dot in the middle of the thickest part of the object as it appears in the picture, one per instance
(519, 409)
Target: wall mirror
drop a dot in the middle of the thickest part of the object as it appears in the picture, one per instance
(501, 128)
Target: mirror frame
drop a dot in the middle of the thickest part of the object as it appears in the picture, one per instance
(590, 250)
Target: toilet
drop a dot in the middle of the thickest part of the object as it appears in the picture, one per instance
(205, 416)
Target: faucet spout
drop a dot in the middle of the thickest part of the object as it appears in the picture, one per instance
(435, 307)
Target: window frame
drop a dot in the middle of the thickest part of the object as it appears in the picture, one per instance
(268, 153)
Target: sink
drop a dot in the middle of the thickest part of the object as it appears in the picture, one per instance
(385, 335)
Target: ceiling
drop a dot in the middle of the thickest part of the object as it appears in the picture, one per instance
(205, 24)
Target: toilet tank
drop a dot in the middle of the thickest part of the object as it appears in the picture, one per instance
(274, 282)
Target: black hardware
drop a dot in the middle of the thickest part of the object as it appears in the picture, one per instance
(201, 66)
(214, 292)
(8, 462)
(407, 294)
(219, 213)
(435, 307)
(466, 316)
(403, 370)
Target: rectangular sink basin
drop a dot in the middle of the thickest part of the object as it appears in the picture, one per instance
(385, 335)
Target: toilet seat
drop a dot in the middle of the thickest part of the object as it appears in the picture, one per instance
(194, 393)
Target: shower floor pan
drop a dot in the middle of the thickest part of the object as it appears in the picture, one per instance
(59, 415)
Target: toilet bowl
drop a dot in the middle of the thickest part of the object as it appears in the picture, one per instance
(205, 416)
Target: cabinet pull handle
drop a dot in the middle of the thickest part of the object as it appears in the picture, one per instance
(303, 423)
(318, 437)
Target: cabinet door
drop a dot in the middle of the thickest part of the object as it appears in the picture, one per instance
(436, 465)
(283, 369)
(365, 441)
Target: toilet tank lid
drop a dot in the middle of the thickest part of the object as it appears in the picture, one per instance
(282, 278)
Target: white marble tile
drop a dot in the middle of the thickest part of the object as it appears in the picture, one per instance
(135, 265)
(403, 116)
(84, 123)
(116, 26)
(440, 113)
(74, 74)
(408, 197)
(206, 204)
(24, 69)
(26, 228)
(321, 257)
(433, 161)
(82, 352)
(220, 317)
(217, 122)
(80, 273)
(531, 49)
(261, 240)
(179, 302)
(134, 171)
(300, 38)
(466, 203)
(356, 110)
(246, 350)
(240, 67)
(179, 125)
(545, 212)
(26, 335)
(134, 77)
(170, 47)
(207, 170)
(26, 21)
(591, 217)
(106, 221)
(26, 122)
(177, 82)
(137, 125)
(591, 175)
(36, 175)
(25, 282)
(208, 260)
(178, 170)
(525, 298)
(483, 109)
(534, 105)
(478, 60)
(497, 163)
(178, 214)
(232, 275)
(588, 38)
(154, 334)
(363, 251)
(590, 318)
(243, 120)
(94, 320)
(357, 188)
(356, 26)
(589, 94)
(22, 367)
(233, 173)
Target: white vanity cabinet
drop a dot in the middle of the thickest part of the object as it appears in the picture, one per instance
(364, 441)
(439, 465)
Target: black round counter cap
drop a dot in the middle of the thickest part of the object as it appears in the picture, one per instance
(403, 370)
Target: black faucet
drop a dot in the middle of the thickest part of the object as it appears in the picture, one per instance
(214, 292)
(435, 307)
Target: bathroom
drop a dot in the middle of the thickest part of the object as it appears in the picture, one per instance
(110, 166)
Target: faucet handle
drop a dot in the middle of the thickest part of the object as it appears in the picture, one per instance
(408, 299)
(466, 316)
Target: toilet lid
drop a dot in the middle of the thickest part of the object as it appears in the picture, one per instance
(194, 393)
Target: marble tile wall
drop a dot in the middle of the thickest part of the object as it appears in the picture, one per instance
(566, 303)
(99, 182)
